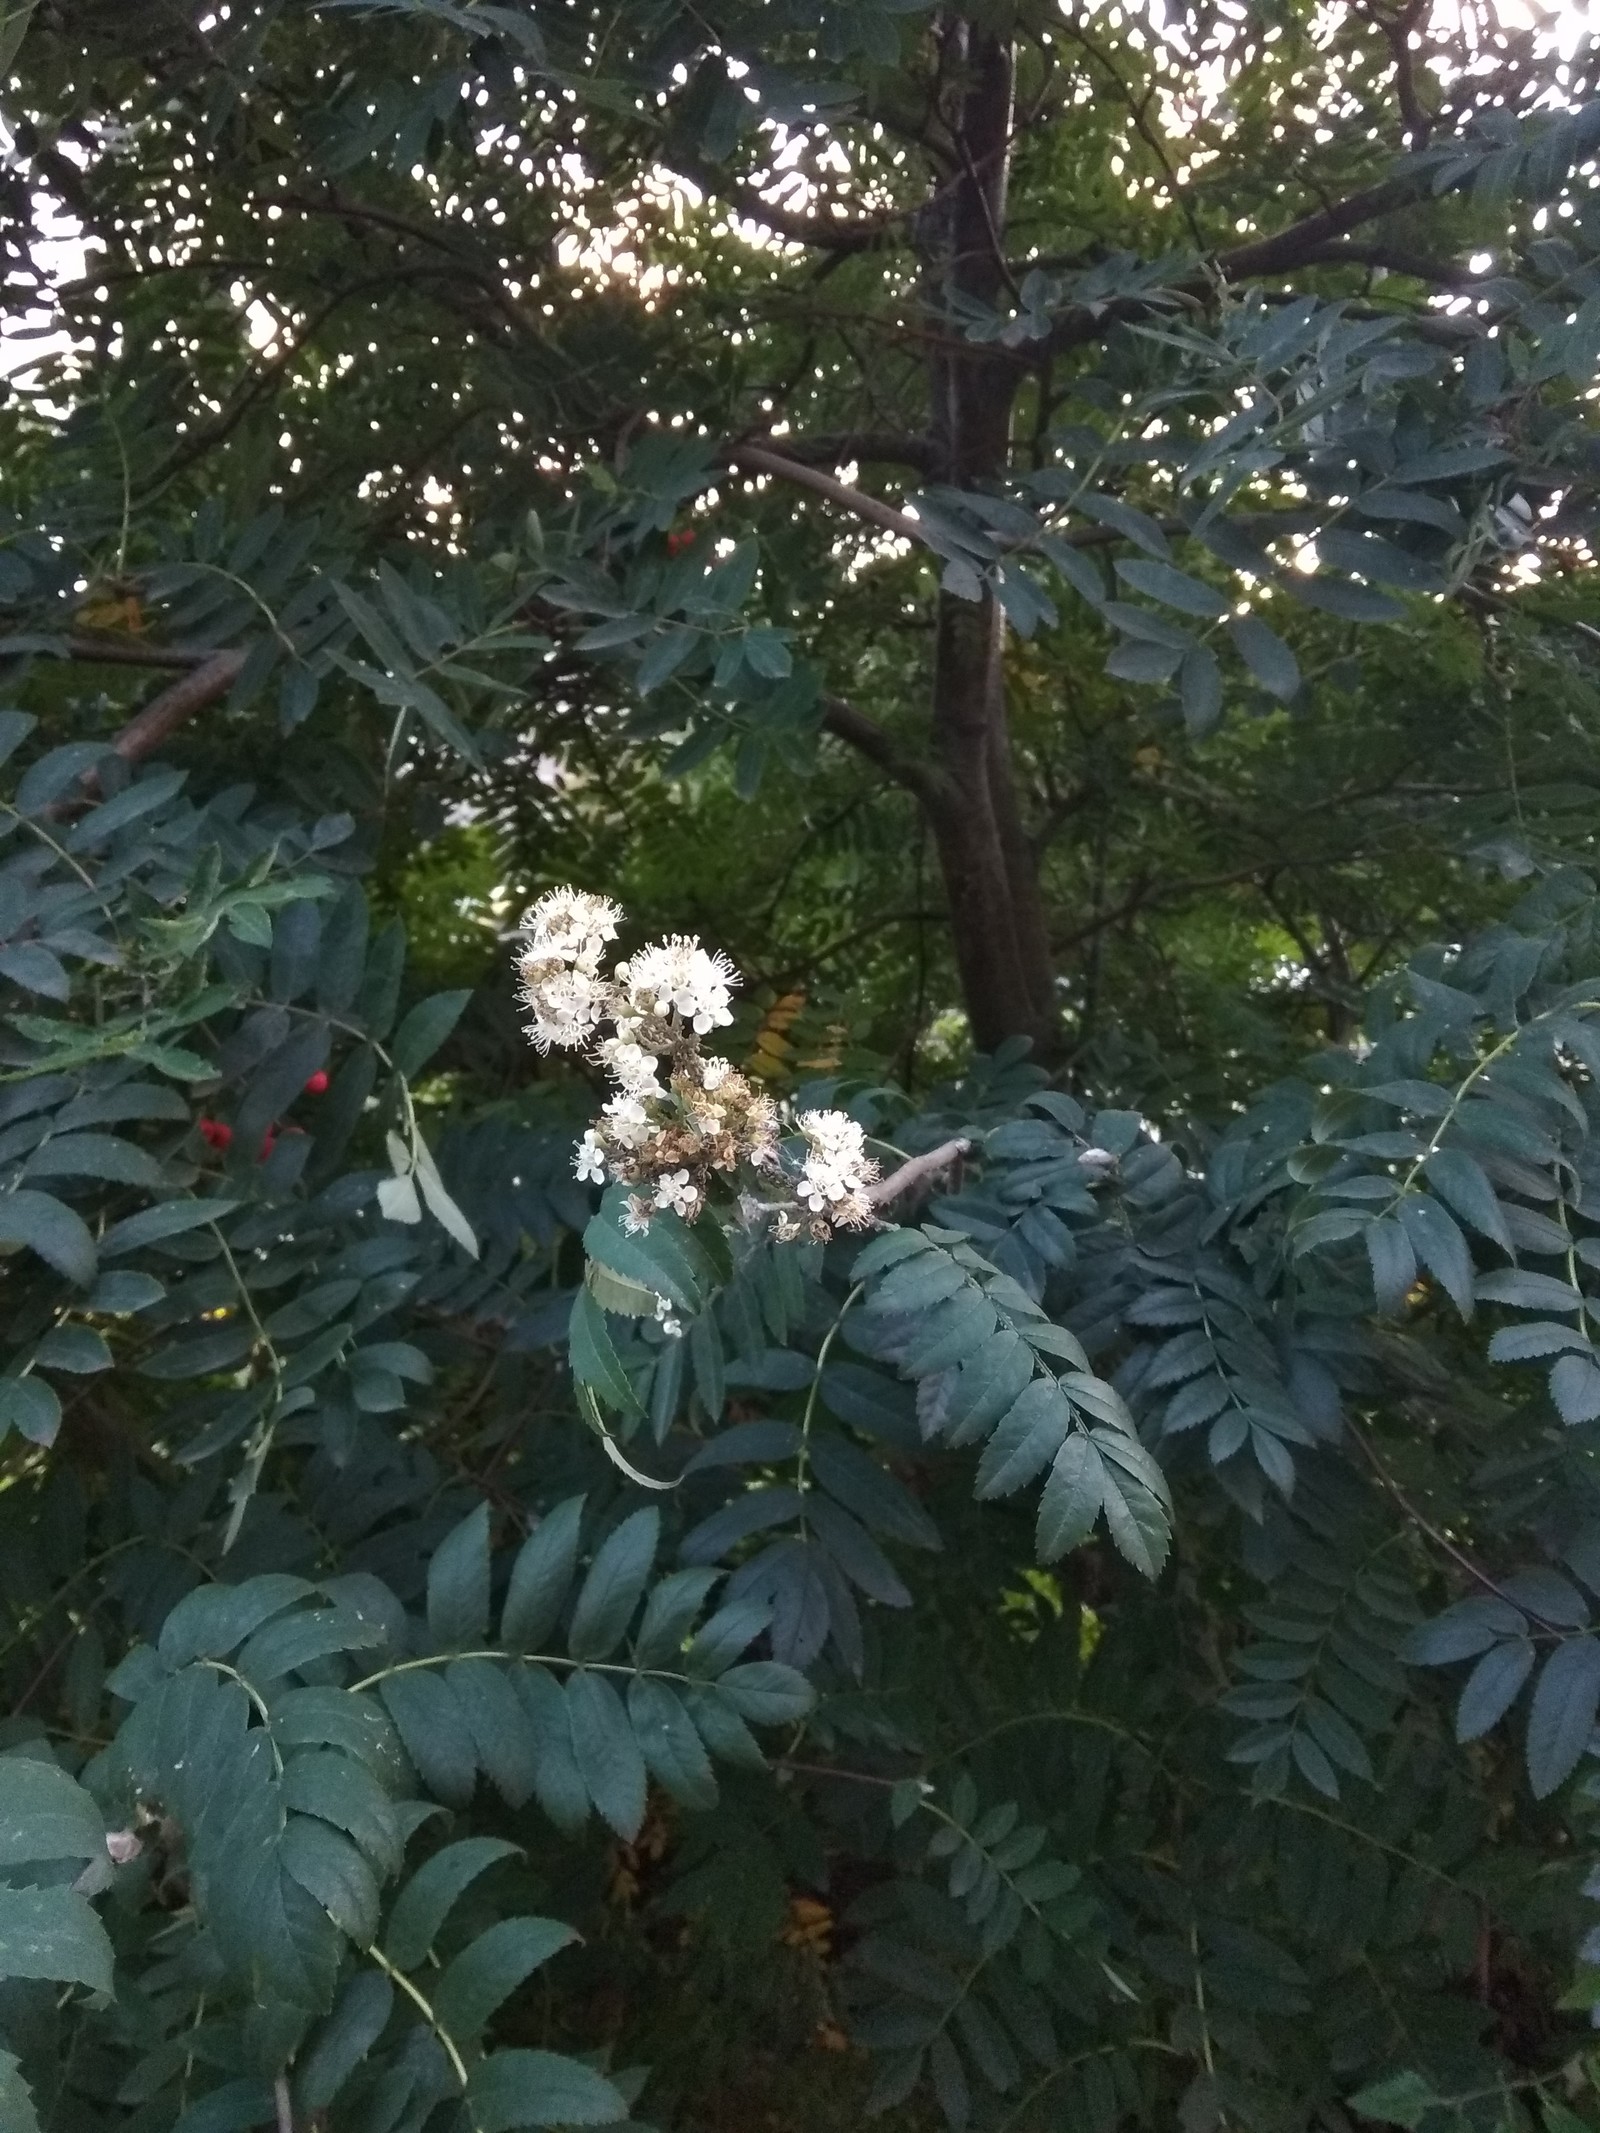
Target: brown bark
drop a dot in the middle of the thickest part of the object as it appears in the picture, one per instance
(996, 911)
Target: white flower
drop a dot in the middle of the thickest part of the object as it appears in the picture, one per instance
(714, 1072)
(629, 1121)
(571, 926)
(630, 1066)
(670, 1324)
(837, 1166)
(679, 976)
(636, 1215)
(590, 1161)
(566, 1005)
(675, 1192)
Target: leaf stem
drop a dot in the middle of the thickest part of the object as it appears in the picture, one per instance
(458, 2065)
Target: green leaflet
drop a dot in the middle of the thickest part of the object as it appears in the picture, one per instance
(423, 1905)
(529, 2088)
(612, 1590)
(51, 1933)
(489, 1969)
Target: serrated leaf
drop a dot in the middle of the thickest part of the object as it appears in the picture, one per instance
(1575, 1388)
(607, 1755)
(1072, 1498)
(1026, 1440)
(458, 1584)
(1492, 1687)
(541, 1577)
(45, 1814)
(510, 2089)
(425, 1902)
(1561, 1717)
(489, 1969)
(670, 1744)
(331, 1871)
(1172, 587)
(434, 1731)
(50, 1228)
(1266, 655)
(594, 1358)
(52, 1933)
(613, 1587)
(767, 1693)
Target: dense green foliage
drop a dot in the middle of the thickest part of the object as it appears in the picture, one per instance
(1118, 1646)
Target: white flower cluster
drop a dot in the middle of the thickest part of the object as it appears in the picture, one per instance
(837, 1169)
(565, 936)
(677, 976)
(679, 1120)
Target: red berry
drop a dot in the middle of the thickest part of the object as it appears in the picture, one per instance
(214, 1133)
(679, 541)
(317, 1084)
(269, 1140)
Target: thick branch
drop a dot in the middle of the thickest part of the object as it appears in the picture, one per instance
(1293, 246)
(837, 448)
(824, 233)
(203, 686)
(108, 651)
(912, 1173)
(879, 746)
(1300, 244)
(1395, 259)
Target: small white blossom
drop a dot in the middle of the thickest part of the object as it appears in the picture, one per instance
(636, 1215)
(667, 1319)
(566, 1005)
(714, 1072)
(590, 1161)
(674, 1191)
(630, 1066)
(630, 1122)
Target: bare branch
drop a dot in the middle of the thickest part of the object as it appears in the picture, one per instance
(899, 1182)
(108, 651)
(176, 705)
(856, 501)
(823, 233)
(879, 746)
(1293, 246)
(1299, 244)
(889, 448)
(1395, 259)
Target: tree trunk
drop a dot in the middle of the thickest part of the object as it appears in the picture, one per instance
(991, 879)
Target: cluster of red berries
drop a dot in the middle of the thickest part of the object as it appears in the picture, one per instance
(679, 541)
(216, 1133)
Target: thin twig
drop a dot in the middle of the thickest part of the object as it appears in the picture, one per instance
(855, 501)
(1441, 1540)
(283, 2105)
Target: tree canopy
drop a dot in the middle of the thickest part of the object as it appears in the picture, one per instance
(967, 1491)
